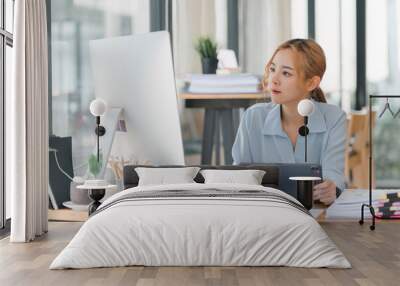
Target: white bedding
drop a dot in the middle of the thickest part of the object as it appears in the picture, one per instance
(200, 231)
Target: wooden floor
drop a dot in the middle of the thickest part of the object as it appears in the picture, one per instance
(375, 257)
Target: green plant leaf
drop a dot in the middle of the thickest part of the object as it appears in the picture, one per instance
(206, 47)
(94, 165)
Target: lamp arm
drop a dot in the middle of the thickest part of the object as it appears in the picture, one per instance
(98, 138)
(305, 138)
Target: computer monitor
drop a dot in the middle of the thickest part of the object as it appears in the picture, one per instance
(136, 73)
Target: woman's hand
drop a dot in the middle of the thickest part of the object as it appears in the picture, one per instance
(325, 192)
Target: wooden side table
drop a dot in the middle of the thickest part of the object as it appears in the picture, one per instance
(96, 193)
(219, 117)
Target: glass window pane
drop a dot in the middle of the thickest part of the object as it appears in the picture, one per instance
(8, 71)
(263, 26)
(9, 15)
(383, 71)
(299, 22)
(377, 41)
(335, 31)
(1, 15)
(327, 34)
(398, 32)
(73, 25)
(348, 62)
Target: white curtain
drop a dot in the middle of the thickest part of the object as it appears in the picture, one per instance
(191, 19)
(263, 25)
(27, 117)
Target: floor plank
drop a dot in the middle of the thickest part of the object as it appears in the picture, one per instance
(374, 255)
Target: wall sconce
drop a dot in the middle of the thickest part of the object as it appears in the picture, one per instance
(98, 107)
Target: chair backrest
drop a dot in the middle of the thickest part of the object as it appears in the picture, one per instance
(357, 149)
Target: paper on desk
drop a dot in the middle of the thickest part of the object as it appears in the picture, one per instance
(361, 196)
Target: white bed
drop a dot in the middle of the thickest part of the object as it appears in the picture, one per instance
(185, 230)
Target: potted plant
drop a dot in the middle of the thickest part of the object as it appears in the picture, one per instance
(207, 49)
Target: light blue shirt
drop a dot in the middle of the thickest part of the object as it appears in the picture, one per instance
(261, 139)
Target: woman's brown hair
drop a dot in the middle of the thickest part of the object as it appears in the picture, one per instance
(313, 62)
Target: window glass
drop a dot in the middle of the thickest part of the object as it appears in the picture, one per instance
(73, 25)
(383, 72)
(9, 15)
(335, 31)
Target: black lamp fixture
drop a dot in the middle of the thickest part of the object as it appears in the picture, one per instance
(305, 108)
(98, 107)
(305, 184)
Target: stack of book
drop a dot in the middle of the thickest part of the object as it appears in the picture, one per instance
(348, 206)
(388, 206)
(230, 83)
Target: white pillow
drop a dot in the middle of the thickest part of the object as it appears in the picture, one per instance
(162, 176)
(248, 177)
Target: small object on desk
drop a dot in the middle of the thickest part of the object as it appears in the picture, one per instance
(305, 190)
(347, 206)
(96, 190)
(227, 59)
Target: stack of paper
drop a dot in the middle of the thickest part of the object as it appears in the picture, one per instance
(348, 205)
(231, 83)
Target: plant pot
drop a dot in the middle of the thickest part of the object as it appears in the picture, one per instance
(209, 65)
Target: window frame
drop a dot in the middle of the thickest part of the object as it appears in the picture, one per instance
(6, 39)
(361, 54)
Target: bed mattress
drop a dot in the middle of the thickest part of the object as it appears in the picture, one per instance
(201, 225)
